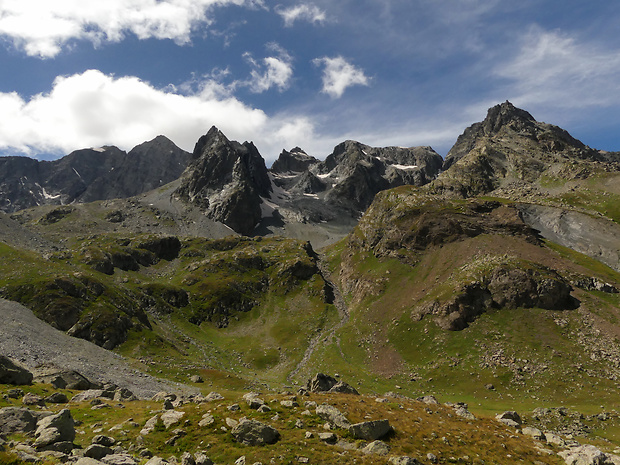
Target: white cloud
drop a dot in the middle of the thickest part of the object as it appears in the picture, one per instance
(274, 71)
(339, 74)
(554, 68)
(43, 27)
(310, 13)
(93, 109)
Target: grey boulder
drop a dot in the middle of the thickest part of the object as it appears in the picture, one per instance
(255, 433)
(13, 373)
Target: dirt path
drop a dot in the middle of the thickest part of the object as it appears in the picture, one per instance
(326, 336)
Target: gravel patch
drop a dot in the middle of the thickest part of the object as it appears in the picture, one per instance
(34, 343)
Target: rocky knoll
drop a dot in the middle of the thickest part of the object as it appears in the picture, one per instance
(89, 174)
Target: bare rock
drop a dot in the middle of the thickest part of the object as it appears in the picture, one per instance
(13, 373)
(55, 428)
(377, 448)
(404, 460)
(510, 418)
(329, 438)
(370, 430)
(17, 420)
(254, 433)
(321, 383)
(333, 416)
(344, 388)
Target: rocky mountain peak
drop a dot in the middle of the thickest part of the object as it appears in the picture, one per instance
(227, 180)
(293, 161)
(506, 114)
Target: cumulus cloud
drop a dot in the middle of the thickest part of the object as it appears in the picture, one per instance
(93, 109)
(304, 12)
(338, 75)
(551, 67)
(273, 71)
(43, 27)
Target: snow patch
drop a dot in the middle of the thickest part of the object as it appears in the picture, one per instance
(75, 171)
(405, 167)
(48, 196)
(98, 149)
(314, 196)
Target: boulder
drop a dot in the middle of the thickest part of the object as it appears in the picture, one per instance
(255, 433)
(587, 455)
(104, 440)
(429, 400)
(32, 399)
(207, 420)
(464, 413)
(119, 459)
(17, 420)
(88, 461)
(202, 459)
(370, 430)
(333, 416)
(344, 388)
(533, 432)
(156, 461)
(321, 383)
(55, 429)
(329, 438)
(377, 448)
(63, 379)
(510, 418)
(57, 398)
(404, 460)
(97, 451)
(171, 417)
(13, 373)
(196, 379)
(212, 396)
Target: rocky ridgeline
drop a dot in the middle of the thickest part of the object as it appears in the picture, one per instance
(89, 174)
(55, 434)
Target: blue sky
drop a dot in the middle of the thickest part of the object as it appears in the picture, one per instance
(87, 73)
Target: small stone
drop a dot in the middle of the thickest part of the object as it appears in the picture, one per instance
(234, 407)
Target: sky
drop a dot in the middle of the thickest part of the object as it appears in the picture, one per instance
(310, 73)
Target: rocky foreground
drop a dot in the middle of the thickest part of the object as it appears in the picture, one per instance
(325, 422)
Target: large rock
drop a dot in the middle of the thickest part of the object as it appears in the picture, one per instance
(54, 429)
(63, 379)
(321, 383)
(255, 433)
(370, 430)
(344, 388)
(13, 373)
(17, 420)
(510, 418)
(588, 455)
(333, 416)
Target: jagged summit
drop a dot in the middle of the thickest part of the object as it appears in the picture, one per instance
(226, 180)
(293, 161)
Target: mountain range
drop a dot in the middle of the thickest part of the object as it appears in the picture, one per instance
(490, 277)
